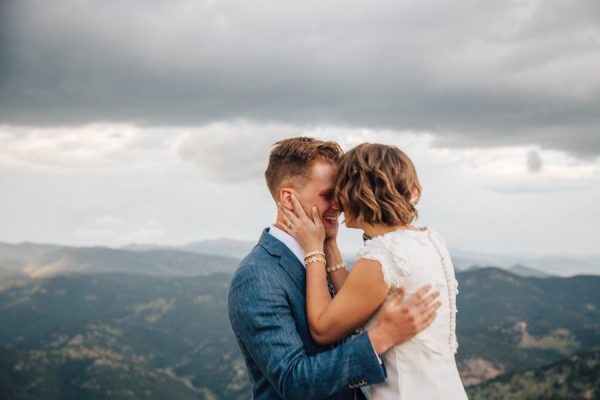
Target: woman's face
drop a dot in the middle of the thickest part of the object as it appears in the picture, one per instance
(350, 220)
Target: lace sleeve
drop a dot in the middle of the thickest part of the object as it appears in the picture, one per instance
(393, 266)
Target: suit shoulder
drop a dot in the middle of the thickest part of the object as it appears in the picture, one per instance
(258, 280)
(257, 266)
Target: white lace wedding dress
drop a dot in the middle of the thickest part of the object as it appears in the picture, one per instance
(424, 367)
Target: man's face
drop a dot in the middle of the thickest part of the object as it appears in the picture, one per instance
(318, 191)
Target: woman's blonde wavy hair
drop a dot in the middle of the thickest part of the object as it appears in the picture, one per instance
(377, 184)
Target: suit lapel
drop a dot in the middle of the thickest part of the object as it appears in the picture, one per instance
(288, 261)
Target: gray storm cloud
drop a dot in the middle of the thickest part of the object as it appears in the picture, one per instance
(503, 73)
(235, 152)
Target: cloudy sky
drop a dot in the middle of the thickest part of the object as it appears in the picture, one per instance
(151, 121)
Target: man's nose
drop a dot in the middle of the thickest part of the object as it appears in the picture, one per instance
(335, 206)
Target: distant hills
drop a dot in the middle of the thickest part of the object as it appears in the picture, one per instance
(49, 261)
(42, 260)
(507, 322)
(74, 319)
(576, 377)
(559, 264)
(25, 252)
(94, 336)
(119, 336)
(85, 375)
(524, 270)
(217, 247)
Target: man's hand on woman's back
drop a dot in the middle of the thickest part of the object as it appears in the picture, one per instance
(399, 321)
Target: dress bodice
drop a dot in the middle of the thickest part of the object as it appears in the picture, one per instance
(423, 367)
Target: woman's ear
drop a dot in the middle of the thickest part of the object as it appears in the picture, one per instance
(285, 198)
(416, 194)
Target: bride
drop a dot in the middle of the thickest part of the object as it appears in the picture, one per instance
(377, 189)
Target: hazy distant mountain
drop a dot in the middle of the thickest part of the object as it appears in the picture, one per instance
(13, 257)
(11, 269)
(524, 270)
(49, 260)
(219, 247)
(577, 377)
(521, 270)
(26, 252)
(561, 265)
(153, 262)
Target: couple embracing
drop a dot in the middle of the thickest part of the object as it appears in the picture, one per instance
(307, 327)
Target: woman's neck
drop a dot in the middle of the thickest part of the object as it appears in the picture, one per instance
(381, 229)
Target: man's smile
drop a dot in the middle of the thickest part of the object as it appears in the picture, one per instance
(331, 220)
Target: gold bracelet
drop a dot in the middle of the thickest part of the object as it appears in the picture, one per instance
(315, 259)
(336, 267)
(314, 253)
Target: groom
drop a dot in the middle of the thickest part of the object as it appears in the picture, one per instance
(267, 295)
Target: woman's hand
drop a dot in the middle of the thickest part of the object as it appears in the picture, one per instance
(309, 232)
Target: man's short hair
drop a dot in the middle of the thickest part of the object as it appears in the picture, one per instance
(377, 184)
(291, 160)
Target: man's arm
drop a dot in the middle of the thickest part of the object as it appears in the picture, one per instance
(261, 317)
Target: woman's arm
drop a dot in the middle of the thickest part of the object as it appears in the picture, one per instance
(333, 319)
(334, 257)
(363, 291)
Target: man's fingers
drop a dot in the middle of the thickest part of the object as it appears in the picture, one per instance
(398, 297)
(426, 301)
(427, 317)
(428, 320)
(418, 296)
(432, 309)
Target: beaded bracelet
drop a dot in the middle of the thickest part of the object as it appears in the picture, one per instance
(315, 259)
(336, 267)
(314, 253)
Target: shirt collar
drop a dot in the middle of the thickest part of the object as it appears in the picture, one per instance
(289, 242)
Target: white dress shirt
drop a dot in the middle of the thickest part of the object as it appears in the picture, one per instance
(289, 241)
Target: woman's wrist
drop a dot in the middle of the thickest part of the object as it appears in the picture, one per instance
(330, 243)
(313, 247)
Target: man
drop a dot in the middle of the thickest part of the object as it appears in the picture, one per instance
(267, 295)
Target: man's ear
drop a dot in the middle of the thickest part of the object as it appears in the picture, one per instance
(285, 198)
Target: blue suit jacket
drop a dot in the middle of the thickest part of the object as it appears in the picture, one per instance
(268, 315)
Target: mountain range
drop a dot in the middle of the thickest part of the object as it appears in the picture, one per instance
(557, 264)
(43, 260)
(48, 260)
(120, 336)
(575, 377)
(508, 323)
(92, 335)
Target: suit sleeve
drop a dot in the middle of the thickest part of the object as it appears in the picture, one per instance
(262, 320)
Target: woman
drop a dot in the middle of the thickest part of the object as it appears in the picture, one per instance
(377, 188)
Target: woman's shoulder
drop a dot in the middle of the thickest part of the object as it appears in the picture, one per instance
(374, 246)
(391, 254)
